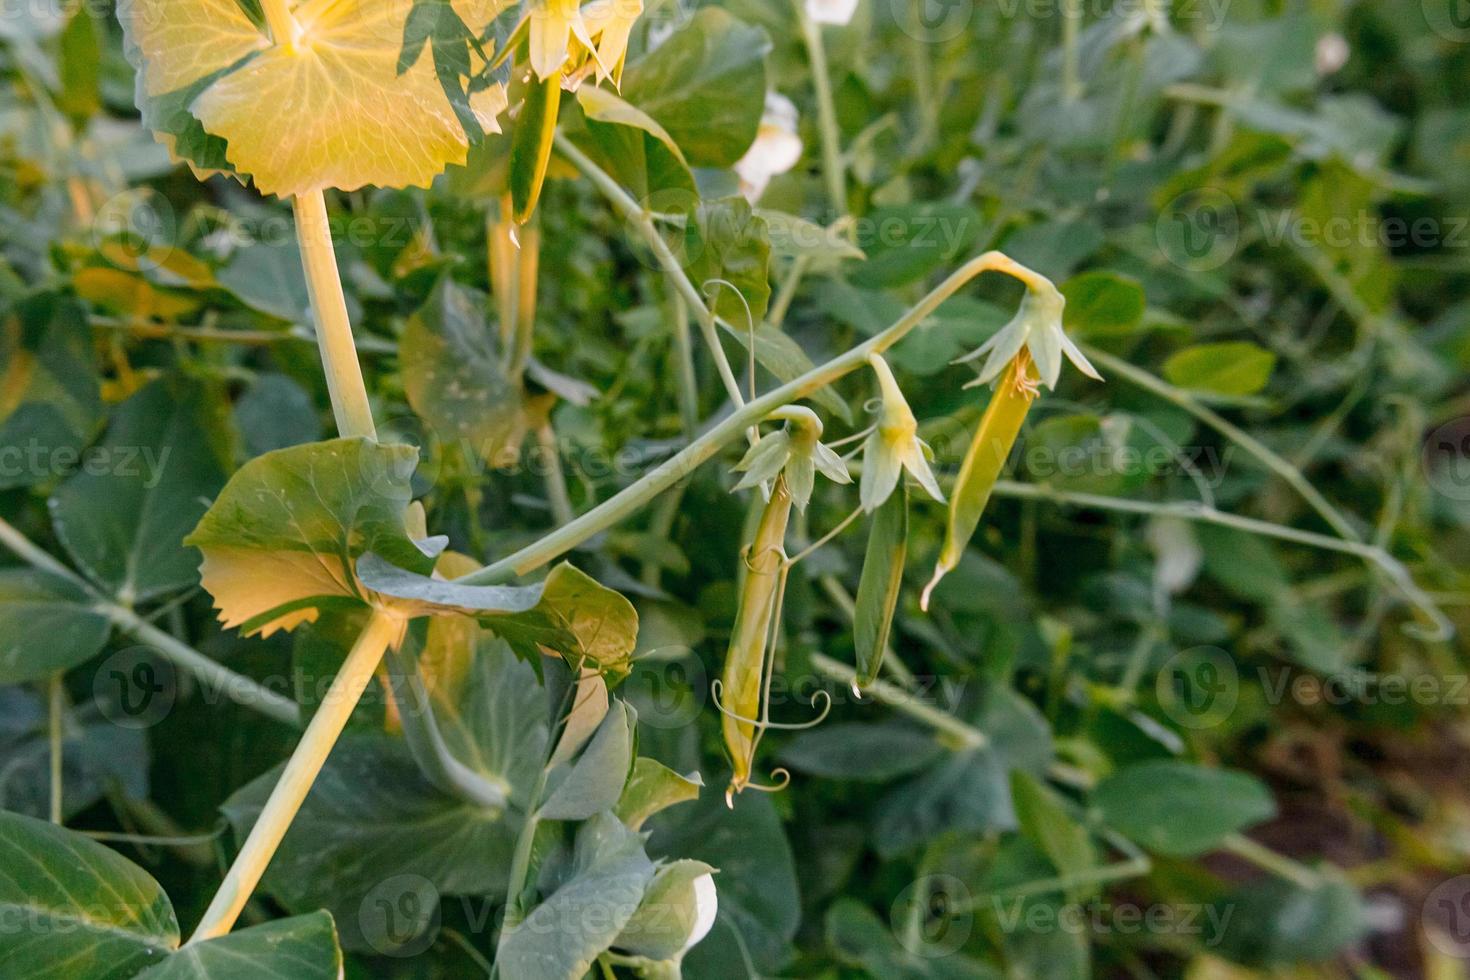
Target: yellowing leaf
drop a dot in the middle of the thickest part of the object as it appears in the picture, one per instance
(282, 540)
(185, 42)
(332, 110)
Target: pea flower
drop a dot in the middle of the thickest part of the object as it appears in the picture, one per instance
(796, 450)
(894, 446)
(777, 148)
(1036, 327)
(576, 40)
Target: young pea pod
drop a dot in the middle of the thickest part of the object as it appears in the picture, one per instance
(742, 687)
(1024, 355)
(877, 595)
(530, 154)
(987, 456)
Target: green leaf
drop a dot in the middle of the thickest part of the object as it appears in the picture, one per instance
(371, 819)
(49, 400)
(968, 791)
(665, 922)
(601, 105)
(281, 541)
(1045, 820)
(74, 908)
(706, 86)
(881, 583)
(302, 948)
(455, 378)
(1234, 368)
(652, 788)
(911, 241)
(124, 522)
(561, 937)
(728, 247)
(793, 237)
(862, 752)
(1103, 304)
(1276, 922)
(79, 59)
(595, 782)
(859, 938)
(1179, 809)
(47, 624)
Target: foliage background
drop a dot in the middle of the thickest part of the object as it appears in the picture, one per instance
(1288, 179)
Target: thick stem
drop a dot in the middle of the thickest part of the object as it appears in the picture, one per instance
(528, 272)
(556, 479)
(333, 328)
(284, 29)
(296, 779)
(623, 505)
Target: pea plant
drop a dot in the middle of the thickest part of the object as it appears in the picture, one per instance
(727, 560)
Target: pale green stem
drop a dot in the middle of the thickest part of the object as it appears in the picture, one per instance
(1440, 628)
(349, 396)
(635, 214)
(638, 494)
(1268, 860)
(967, 736)
(1071, 27)
(56, 710)
(1292, 476)
(556, 479)
(684, 353)
(296, 779)
(237, 687)
(426, 741)
(786, 295)
(832, 160)
(284, 29)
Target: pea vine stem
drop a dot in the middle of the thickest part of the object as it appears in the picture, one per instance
(361, 665)
(633, 498)
(350, 403)
(237, 687)
(833, 165)
(637, 216)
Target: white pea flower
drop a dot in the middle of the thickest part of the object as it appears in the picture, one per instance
(706, 906)
(836, 12)
(1037, 327)
(894, 446)
(777, 148)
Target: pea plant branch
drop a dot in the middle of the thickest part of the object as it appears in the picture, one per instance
(237, 687)
(637, 216)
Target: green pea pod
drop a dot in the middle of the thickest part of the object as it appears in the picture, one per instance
(530, 153)
(999, 428)
(743, 682)
(877, 595)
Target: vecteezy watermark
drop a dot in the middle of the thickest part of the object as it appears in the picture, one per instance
(1099, 458)
(1198, 687)
(36, 461)
(1446, 917)
(932, 917)
(400, 916)
(135, 688)
(1367, 229)
(1199, 231)
(1205, 924)
(1450, 19)
(1447, 459)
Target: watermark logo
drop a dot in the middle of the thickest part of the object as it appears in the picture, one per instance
(1198, 688)
(138, 226)
(1447, 459)
(135, 688)
(400, 916)
(932, 21)
(1450, 19)
(932, 916)
(1446, 917)
(1199, 231)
